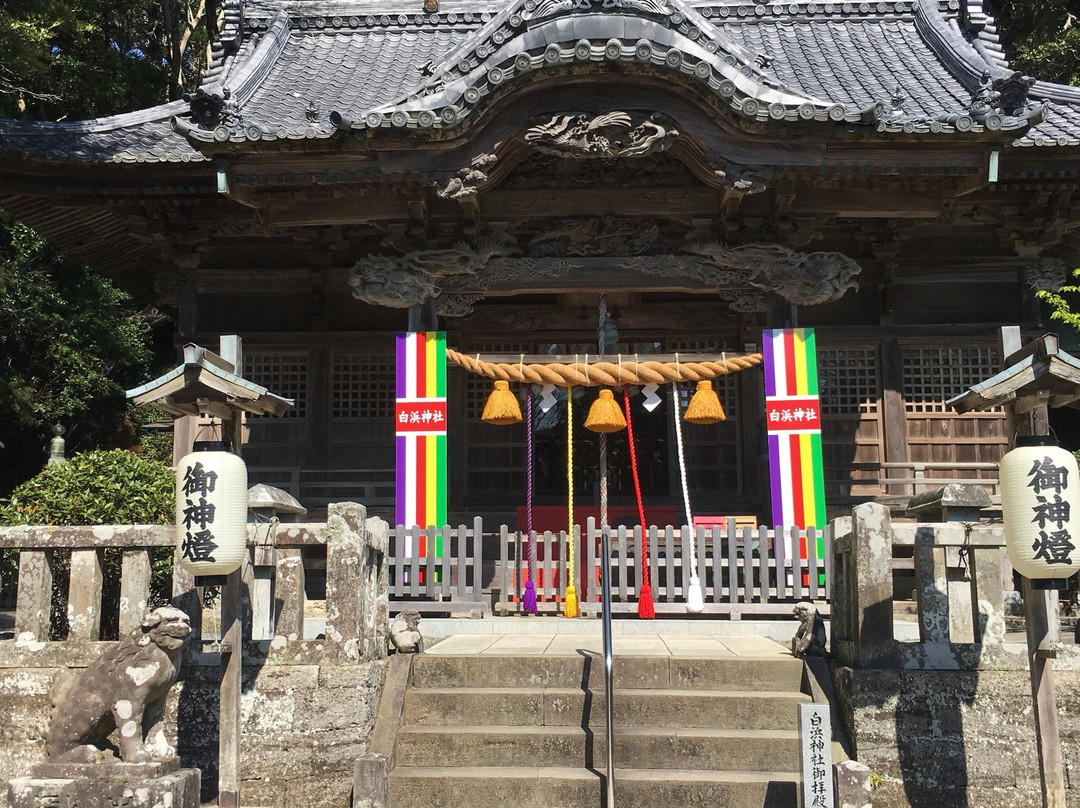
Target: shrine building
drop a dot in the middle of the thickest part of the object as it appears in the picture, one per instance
(707, 168)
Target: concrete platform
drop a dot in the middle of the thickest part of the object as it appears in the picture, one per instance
(437, 628)
(689, 646)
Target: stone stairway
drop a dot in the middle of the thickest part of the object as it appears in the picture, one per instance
(521, 723)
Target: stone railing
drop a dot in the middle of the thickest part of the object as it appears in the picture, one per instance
(307, 706)
(958, 592)
(273, 599)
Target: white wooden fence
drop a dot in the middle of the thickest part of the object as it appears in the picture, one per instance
(741, 571)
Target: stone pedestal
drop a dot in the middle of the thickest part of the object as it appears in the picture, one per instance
(107, 785)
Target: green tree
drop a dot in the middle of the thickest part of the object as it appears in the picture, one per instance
(70, 342)
(1063, 303)
(77, 59)
(1042, 37)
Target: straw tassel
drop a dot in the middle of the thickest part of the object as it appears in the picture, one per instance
(605, 415)
(502, 406)
(705, 406)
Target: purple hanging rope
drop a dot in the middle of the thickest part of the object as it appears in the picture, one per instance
(529, 600)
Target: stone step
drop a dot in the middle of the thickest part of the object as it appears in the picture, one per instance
(555, 787)
(587, 670)
(642, 707)
(657, 748)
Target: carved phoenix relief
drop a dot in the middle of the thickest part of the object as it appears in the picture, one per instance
(611, 134)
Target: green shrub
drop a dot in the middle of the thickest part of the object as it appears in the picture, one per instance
(113, 487)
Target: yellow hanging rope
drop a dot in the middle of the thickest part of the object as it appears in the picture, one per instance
(570, 606)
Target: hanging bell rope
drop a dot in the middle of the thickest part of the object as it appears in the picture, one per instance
(695, 601)
(529, 600)
(565, 371)
(646, 608)
(570, 605)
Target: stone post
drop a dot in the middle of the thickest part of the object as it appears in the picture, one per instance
(872, 586)
(377, 591)
(34, 600)
(345, 553)
(852, 781)
(289, 588)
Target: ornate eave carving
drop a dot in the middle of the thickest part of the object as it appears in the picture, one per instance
(608, 137)
(458, 276)
(1046, 274)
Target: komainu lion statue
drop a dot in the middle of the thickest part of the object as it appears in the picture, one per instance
(123, 690)
(809, 639)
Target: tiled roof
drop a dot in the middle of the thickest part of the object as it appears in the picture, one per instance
(137, 137)
(312, 68)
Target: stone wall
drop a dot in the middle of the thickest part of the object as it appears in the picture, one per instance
(943, 739)
(304, 722)
(945, 721)
(307, 706)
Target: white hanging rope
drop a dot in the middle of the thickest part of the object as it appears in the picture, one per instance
(695, 599)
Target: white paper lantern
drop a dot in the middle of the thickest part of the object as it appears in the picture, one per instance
(211, 511)
(1040, 495)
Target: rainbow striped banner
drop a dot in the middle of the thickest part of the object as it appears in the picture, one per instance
(793, 420)
(420, 424)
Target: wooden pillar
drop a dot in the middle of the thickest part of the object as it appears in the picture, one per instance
(894, 415)
(755, 444)
(231, 350)
(1043, 622)
(229, 722)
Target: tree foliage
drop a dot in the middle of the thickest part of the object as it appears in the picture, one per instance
(1042, 37)
(1063, 303)
(76, 59)
(70, 342)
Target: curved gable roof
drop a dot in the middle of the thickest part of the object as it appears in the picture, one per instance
(304, 70)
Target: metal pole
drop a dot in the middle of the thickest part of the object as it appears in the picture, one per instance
(605, 586)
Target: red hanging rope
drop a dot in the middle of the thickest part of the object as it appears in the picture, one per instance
(645, 601)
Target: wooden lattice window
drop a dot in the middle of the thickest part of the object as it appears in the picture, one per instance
(848, 380)
(934, 374)
(363, 385)
(284, 373)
